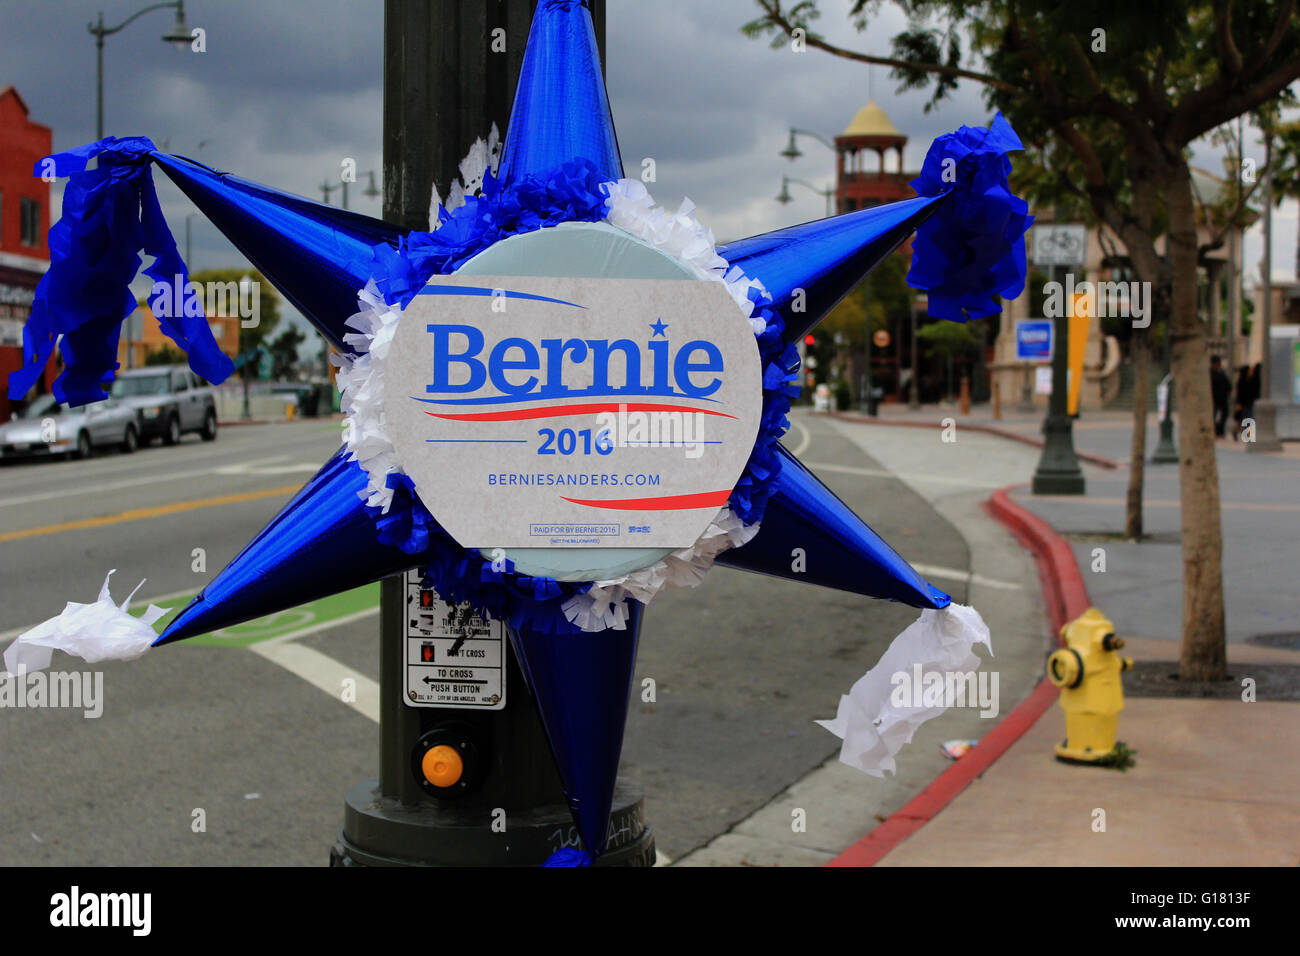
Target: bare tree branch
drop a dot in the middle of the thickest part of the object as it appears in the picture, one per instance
(1275, 37)
(777, 17)
(1206, 108)
(1229, 55)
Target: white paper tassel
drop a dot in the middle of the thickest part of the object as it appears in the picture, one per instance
(682, 236)
(603, 605)
(876, 718)
(361, 386)
(94, 632)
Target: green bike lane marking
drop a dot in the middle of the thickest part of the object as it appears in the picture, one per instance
(313, 614)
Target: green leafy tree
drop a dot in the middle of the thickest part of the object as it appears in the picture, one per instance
(166, 354)
(268, 307)
(284, 352)
(951, 342)
(1117, 91)
(883, 300)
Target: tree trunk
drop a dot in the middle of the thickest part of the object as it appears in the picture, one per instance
(1138, 448)
(1203, 651)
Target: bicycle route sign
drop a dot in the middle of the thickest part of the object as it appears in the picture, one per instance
(1060, 245)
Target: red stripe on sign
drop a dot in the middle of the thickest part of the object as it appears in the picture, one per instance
(559, 411)
(705, 499)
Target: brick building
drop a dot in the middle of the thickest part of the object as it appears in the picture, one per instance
(149, 337)
(24, 226)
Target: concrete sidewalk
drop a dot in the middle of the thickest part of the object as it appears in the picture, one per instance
(1215, 780)
(1214, 784)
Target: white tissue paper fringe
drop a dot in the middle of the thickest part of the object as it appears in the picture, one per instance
(874, 729)
(361, 382)
(95, 632)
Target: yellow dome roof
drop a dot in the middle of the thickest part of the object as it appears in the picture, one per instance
(871, 121)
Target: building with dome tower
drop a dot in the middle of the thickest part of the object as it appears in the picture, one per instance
(867, 146)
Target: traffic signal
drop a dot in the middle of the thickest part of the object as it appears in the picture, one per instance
(810, 340)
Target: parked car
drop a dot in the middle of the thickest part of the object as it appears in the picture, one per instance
(47, 428)
(169, 400)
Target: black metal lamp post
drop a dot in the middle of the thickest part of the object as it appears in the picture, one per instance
(792, 151)
(1058, 470)
(784, 197)
(443, 88)
(370, 192)
(179, 36)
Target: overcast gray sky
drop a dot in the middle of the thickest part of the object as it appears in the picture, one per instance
(289, 87)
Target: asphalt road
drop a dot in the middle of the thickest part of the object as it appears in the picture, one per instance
(218, 755)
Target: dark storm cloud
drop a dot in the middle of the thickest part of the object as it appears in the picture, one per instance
(286, 90)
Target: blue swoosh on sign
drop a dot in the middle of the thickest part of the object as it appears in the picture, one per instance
(476, 290)
(562, 391)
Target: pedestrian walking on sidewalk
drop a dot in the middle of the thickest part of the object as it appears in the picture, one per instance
(1247, 392)
(1220, 389)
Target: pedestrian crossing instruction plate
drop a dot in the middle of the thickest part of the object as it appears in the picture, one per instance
(454, 657)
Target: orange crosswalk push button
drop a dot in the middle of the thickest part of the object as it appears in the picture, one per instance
(442, 766)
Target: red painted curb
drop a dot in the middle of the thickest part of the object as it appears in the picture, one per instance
(1100, 460)
(1066, 598)
(1063, 586)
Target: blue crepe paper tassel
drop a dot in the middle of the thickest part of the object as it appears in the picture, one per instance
(568, 857)
(110, 215)
(973, 249)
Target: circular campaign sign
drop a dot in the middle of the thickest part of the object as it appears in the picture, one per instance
(575, 397)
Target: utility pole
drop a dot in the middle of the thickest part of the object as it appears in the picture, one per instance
(500, 801)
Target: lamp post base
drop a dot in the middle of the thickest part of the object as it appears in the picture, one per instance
(1166, 452)
(1058, 470)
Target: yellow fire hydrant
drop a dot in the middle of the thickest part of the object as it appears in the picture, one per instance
(1088, 671)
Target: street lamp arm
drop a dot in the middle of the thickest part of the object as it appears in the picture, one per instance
(98, 29)
(828, 191)
(817, 136)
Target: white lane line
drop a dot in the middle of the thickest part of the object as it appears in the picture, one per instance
(321, 626)
(186, 454)
(804, 442)
(324, 672)
(954, 574)
(249, 468)
(902, 475)
(98, 489)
